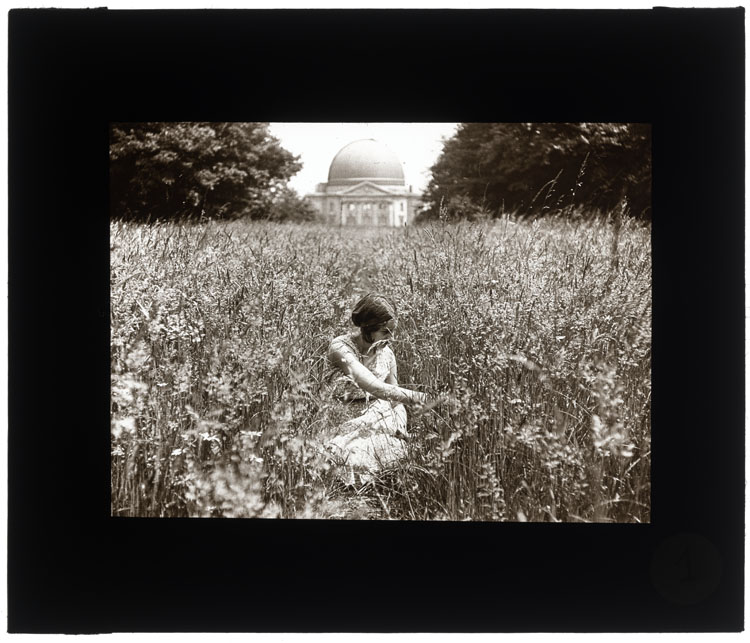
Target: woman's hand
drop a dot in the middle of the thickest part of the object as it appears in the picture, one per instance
(440, 398)
(415, 397)
(431, 400)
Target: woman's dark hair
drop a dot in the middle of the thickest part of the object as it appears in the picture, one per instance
(372, 311)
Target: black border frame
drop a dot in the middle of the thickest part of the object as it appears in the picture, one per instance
(72, 568)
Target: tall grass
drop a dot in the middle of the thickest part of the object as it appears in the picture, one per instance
(537, 336)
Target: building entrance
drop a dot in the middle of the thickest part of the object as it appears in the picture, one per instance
(377, 213)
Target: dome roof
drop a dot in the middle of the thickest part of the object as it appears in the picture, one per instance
(365, 160)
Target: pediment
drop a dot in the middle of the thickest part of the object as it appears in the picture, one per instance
(366, 189)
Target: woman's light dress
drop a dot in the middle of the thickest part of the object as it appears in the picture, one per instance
(369, 441)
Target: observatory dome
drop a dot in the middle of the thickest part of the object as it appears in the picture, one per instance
(365, 160)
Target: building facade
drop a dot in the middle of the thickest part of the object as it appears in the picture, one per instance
(365, 186)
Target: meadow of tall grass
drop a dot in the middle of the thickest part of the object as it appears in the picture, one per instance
(536, 335)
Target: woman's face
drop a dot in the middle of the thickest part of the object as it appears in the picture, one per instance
(384, 331)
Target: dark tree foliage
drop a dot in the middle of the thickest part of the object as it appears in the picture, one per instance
(287, 205)
(533, 168)
(195, 170)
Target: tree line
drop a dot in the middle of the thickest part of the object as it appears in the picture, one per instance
(487, 169)
(201, 170)
(228, 170)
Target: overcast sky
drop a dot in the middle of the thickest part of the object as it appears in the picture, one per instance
(417, 145)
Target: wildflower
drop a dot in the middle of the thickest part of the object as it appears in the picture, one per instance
(122, 425)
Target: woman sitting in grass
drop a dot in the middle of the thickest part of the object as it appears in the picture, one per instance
(363, 367)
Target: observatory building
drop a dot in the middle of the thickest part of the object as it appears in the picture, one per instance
(365, 186)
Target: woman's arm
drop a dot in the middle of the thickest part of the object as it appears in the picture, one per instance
(343, 359)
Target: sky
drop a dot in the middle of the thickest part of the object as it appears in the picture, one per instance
(417, 145)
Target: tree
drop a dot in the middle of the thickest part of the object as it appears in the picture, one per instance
(287, 205)
(192, 170)
(539, 167)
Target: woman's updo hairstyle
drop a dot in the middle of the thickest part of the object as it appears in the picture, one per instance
(372, 311)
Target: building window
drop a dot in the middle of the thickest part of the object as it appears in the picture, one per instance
(402, 206)
(330, 206)
(351, 207)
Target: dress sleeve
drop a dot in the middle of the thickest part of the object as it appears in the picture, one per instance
(390, 360)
